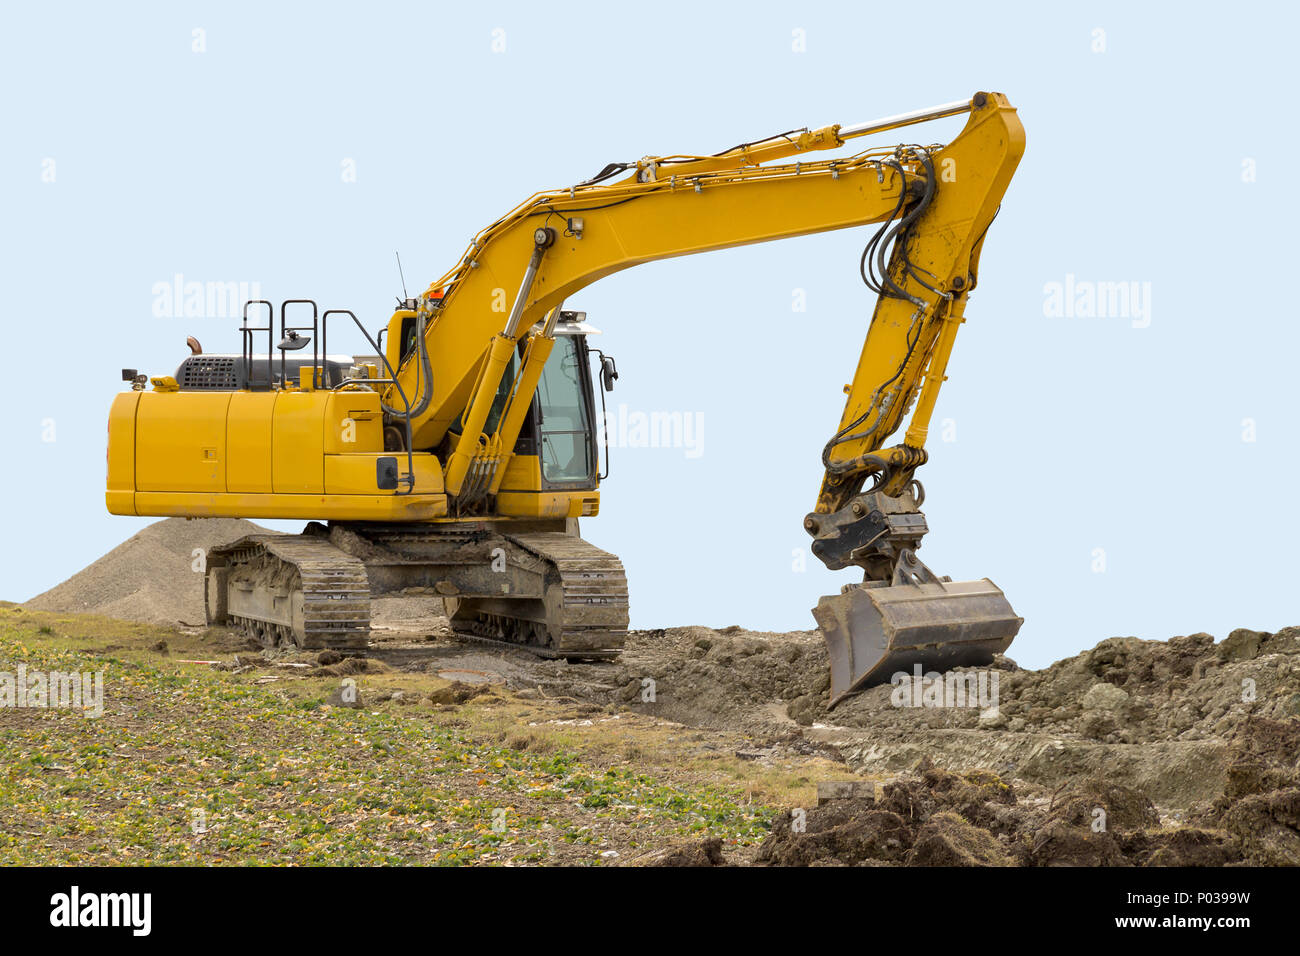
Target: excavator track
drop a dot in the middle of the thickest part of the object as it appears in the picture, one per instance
(588, 615)
(469, 635)
(548, 592)
(290, 589)
(583, 611)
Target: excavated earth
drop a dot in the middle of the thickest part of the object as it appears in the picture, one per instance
(1179, 752)
(1135, 752)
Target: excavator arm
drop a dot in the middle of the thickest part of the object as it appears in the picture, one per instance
(933, 204)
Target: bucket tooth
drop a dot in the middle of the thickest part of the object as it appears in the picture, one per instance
(874, 631)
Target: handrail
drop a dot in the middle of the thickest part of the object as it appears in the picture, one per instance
(247, 342)
(318, 379)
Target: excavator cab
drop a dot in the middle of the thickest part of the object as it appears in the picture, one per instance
(563, 419)
(560, 426)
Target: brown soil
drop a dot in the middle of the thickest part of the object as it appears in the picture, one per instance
(1138, 752)
(1157, 715)
(932, 817)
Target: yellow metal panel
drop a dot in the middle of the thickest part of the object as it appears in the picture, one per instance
(121, 454)
(356, 474)
(329, 507)
(353, 423)
(298, 462)
(523, 473)
(549, 504)
(181, 441)
(248, 442)
(120, 502)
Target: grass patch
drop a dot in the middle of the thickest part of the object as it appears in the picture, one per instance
(191, 765)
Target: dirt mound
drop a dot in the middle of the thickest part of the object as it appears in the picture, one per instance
(1260, 807)
(932, 817)
(707, 678)
(1124, 690)
(706, 852)
(150, 577)
(1161, 718)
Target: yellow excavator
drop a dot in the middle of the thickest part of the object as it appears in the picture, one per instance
(458, 457)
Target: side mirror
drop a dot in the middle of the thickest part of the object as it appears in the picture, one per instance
(608, 372)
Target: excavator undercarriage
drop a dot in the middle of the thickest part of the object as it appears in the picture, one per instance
(540, 588)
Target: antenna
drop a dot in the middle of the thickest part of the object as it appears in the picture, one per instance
(399, 272)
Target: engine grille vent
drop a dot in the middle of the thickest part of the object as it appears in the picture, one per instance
(215, 372)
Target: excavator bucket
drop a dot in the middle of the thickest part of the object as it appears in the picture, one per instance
(874, 630)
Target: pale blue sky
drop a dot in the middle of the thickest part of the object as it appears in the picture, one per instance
(1072, 434)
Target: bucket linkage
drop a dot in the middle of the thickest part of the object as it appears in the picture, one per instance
(902, 614)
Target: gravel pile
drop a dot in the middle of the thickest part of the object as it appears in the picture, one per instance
(150, 577)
